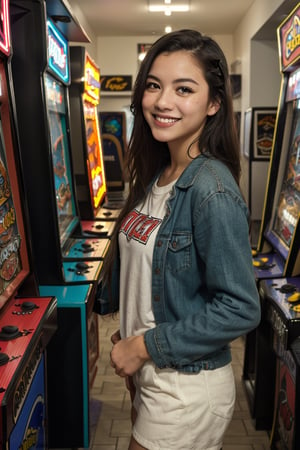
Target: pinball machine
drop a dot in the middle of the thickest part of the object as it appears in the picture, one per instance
(279, 259)
(28, 321)
(68, 261)
(86, 141)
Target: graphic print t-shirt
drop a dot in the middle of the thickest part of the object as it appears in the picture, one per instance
(136, 241)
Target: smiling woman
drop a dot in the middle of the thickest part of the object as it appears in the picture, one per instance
(176, 104)
(179, 267)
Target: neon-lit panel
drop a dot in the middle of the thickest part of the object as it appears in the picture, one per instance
(289, 40)
(95, 160)
(58, 53)
(91, 81)
(4, 28)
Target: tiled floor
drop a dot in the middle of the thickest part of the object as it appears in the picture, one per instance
(113, 428)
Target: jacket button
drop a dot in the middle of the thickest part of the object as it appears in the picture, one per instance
(156, 298)
(157, 271)
(174, 244)
(159, 243)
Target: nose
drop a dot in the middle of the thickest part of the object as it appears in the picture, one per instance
(164, 100)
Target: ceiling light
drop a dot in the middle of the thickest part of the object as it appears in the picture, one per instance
(172, 8)
(168, 29)
(167, 2)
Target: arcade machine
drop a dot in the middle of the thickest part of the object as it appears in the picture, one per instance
(282, 234)
(283, 316)
(113, 129)
(86, 142)
(27, 320)
(66, 266)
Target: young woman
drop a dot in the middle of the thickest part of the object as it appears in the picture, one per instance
(179, 269)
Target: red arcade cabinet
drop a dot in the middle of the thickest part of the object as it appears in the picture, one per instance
(27, 321)
(68, 263)
(275, 268)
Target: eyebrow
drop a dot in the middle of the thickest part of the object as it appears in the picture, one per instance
(178, 80)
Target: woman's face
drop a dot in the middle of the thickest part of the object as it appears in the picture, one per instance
(176, 99)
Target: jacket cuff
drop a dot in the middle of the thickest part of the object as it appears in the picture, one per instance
(151, 339)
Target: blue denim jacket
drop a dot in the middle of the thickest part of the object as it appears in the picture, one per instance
(204, 293)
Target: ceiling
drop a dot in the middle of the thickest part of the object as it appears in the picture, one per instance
(131, 17)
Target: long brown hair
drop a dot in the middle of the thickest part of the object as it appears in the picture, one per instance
(146, 156)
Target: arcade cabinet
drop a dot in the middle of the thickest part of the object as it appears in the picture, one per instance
(27, 321)
(282, 234)
(42, 65)
(86, 142)
(68, 265)
(283, 316)
(114, 138)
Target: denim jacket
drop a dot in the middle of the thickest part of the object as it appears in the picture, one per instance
(204, 293)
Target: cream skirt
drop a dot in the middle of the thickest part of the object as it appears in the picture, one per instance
(179, 411)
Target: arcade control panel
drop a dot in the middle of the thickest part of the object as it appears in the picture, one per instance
(97, 228)
(107, 214)
(77, 249)
(26, 327)
(281, 297)
(268, 265)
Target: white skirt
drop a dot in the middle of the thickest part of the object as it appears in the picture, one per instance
(179, 411)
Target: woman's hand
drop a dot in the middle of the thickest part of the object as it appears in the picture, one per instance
(116, 337)
(128, 355)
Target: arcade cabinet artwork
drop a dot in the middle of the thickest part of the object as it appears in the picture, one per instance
(9, 236)
(27, 323)
(283, 315)
(285, 432)
(69, 271)
(282, 233)
(86, 143)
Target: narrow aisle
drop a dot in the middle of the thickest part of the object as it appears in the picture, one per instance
(112, 430)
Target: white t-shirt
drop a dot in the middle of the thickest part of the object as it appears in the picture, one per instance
(136, 241)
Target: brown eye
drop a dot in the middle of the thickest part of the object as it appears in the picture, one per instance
(184, 90)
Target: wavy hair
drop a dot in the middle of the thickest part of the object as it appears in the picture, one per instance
(146, 156)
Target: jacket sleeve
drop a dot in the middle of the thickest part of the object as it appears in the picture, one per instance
(227, 296)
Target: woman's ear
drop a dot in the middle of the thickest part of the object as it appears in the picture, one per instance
(213, 107)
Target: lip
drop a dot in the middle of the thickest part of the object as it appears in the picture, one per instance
(164, 121)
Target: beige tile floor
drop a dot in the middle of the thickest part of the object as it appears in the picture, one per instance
(113, 428)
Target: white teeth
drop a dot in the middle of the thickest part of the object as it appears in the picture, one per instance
(165, 119)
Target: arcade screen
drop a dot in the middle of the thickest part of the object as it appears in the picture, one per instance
(95, 159)
(288, 206)
(64, 191)
(114, 123)
(10, 260)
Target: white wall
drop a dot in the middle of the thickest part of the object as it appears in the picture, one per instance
(118, 56)
(92, 46)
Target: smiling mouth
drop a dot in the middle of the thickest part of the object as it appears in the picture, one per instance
(165, 119)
